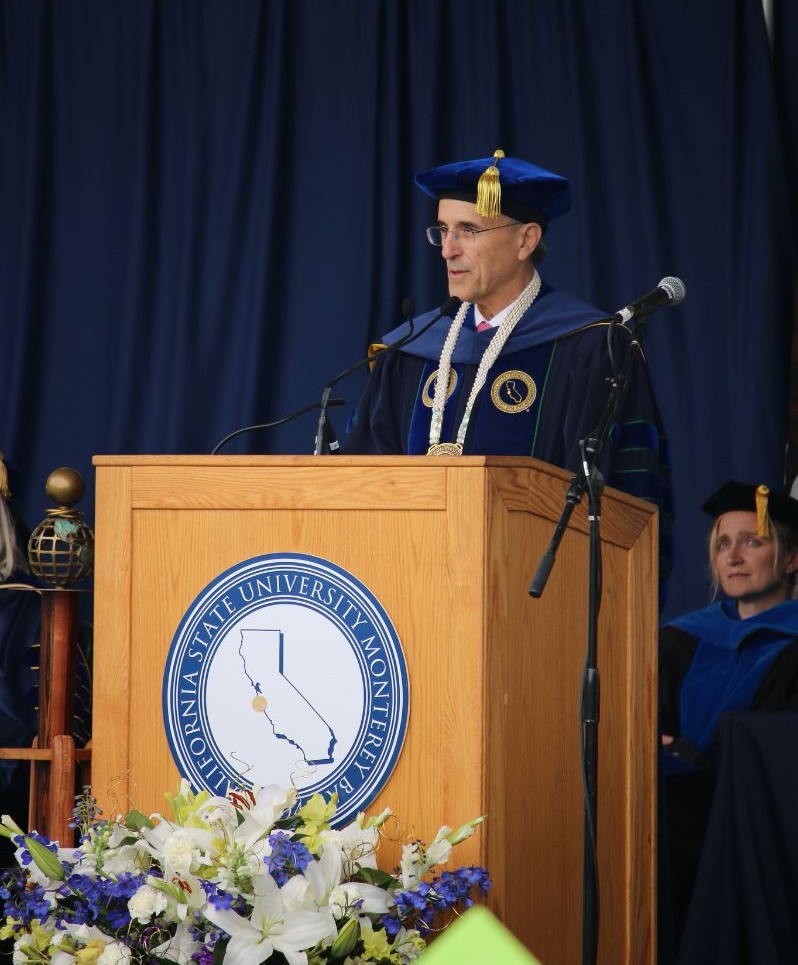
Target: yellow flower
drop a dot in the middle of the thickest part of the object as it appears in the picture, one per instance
(315, 817)
(92, 951)
(186, 804)
(376, 946)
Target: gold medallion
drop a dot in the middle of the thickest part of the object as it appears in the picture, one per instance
(428, 392)
(513, 391)
(445, 449)
(259, 703)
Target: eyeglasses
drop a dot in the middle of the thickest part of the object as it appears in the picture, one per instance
(437, 234)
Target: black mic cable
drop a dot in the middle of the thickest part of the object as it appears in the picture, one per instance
(325, 435)
(449, 307)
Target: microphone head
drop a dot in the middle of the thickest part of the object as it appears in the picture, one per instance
(450, 306)
(408, 307)
(675, 289)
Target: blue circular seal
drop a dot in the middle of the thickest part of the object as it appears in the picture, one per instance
(287, 670)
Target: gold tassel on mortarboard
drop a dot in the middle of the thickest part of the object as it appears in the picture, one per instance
(489, 190)
(373, 351)
(762, 517)
(5, 492)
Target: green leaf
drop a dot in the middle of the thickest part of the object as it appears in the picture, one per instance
(376, 877)
(135, 820)
(45, 860)
(346, 939)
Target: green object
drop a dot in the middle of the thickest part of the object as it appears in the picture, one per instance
(477, 938)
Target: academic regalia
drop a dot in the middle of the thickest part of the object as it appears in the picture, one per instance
(713, 663)
(545, 392)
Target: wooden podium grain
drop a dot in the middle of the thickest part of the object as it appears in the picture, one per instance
(449, 547)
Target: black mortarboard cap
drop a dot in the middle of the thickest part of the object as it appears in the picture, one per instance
(766, 503)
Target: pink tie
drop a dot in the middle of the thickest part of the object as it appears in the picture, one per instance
(484, 326)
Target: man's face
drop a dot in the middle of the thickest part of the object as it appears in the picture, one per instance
(492, 268)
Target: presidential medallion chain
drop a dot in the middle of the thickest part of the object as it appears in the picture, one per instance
(489, 356)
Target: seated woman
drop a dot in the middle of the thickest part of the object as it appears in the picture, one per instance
(740, 654)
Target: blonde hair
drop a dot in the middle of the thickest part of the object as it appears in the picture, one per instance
(784, 539)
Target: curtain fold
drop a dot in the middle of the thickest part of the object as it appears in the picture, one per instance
(208, 210)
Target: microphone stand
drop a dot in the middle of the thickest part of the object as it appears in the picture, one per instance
(325, 436)
(323, 440)
(272, 425)
(589, 479)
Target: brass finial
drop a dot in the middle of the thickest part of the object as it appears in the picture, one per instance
(61, 548)
(65, 487)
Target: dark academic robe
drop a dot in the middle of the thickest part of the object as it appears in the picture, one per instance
(713, 663)
(546, 391)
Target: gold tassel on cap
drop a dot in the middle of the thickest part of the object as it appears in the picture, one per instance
(5, 492)
(489, 190)
(762, 518)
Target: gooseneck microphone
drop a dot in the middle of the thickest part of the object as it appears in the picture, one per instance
(670, 291)
(325, 437)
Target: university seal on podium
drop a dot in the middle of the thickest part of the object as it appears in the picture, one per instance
(287, 670)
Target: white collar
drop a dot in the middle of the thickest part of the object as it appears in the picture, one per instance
(497, 319)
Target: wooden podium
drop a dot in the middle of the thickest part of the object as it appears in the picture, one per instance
(449, 547)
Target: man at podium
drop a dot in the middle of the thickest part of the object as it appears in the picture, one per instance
(521, 368)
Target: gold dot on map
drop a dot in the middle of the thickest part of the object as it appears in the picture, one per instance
(258, 703)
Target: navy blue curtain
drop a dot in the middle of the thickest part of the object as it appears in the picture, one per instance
(207, 210)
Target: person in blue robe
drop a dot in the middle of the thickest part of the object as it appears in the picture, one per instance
(19, 635)
(527, 368)
(739, 654)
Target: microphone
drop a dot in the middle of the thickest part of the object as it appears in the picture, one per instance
(325, 434)
(670, 291)
(323, 437)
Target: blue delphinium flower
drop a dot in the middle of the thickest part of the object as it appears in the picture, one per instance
(100, 900)
(217, 896)
(287, 857)
(417, 906)
(20, 902)
(452, 887)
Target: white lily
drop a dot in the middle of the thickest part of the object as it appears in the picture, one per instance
(180, 947)
(355, 898)
(270, 804)
(184, 895)
(324, 875)
(272, 926)
(357, 843)
(321, 885)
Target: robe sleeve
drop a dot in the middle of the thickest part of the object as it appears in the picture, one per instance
(376, 425)
(635, 457)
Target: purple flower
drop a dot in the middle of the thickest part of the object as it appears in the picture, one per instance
(287, 857)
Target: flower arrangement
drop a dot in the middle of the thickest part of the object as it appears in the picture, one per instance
(244, 879)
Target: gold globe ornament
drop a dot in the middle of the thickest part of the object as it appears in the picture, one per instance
(61, 548)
